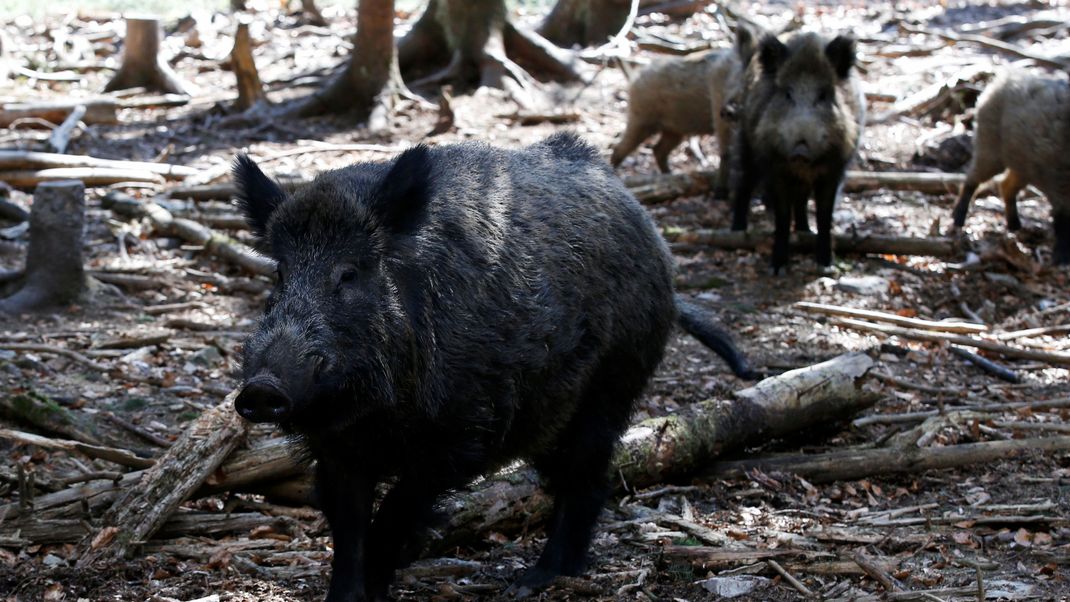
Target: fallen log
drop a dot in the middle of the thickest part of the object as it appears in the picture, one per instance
(89, 176)
(140, 510)
(658, 188)
(1037, 355)
(214, 243)
(804, 242)
(97, 110)
(863, 463)
(21, 159)
(653, 450)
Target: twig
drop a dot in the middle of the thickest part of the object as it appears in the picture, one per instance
(939, 337)
(798, 585)
(1001, 372)
(879, 316)
(52, 349)
(997, 45)
(1032, 332)
(61, 135)
(135, 429)
(906, 384)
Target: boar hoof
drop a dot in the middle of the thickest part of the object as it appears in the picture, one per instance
(533, 580)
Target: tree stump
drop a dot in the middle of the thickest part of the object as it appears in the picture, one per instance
(585, 22)
(250, 90)
(142, 64)
(54, 273)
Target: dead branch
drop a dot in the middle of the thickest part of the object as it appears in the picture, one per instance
(924, 100)
(61, 135)
(55, 350)
(46, 415)
(954, 339)
(12, 212)
(998, 46)
(851, 464)
(1001, 372)
(140, 511)
(879, 316)
(112, 454)
(214, 243)
(803, 242)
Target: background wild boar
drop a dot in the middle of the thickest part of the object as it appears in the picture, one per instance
(801, 118)
(683, 97)
(1023, 127)
(440, 315)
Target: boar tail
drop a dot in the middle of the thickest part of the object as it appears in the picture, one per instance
(699, 324)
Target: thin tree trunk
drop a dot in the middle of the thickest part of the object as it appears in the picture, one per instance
(585, 22)
(142, 64)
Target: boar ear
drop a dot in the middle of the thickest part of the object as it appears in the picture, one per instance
(258, 195)
(841, 53)
(771, 53)
(745, 42)
(405, 190)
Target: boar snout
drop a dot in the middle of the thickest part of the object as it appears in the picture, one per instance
(263, 400)
(801, 151)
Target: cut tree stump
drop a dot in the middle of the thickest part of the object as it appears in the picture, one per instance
(142, 509)
(54, 274)
(142, 65)
(250, 90)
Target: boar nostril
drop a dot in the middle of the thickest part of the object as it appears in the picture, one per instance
(263, 400)
(801, 150)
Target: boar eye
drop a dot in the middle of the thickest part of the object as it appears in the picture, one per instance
(346, 275)
(787, 96)
(823, 96)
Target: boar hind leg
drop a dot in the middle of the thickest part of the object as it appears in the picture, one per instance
(826, 193)
(1009, 188)
(720, 190)
(666, 143)
(634, 135)
(982, 169)
(1061, 223)
(346, 499)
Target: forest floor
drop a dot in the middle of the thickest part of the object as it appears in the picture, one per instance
(1005, 523)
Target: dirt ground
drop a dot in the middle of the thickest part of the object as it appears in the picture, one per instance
(996, 531)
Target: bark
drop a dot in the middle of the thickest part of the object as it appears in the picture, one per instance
(140, 511)
(250, 90)
(585, 22)
(142, 65)
(804, 242)
(54, 273)
(862, 463)
(366, 87)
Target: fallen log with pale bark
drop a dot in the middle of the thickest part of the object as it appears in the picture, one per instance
(654, 450)
(29, 160)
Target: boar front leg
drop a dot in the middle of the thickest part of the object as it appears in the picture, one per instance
(826, 193)
(346, 498)
(743, 177)
(1060, 220)
(781, 204)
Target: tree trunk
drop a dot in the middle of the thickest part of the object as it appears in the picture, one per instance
(365, 86)
(471, 43)
(250, 90)
(142, 64)
(585, 22)
(54, 273)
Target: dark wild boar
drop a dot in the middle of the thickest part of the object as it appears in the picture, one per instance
(801, 118)
(442, 314)
(683, 97)
(1023, 127)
